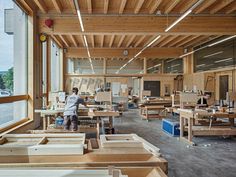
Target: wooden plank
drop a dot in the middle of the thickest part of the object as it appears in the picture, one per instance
(220, 6)
(204, 5)
(10, 99)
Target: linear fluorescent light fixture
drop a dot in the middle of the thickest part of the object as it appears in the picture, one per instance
(184, 15)
(224, 60)
(223, 40)
(79, 15)
(178, 20)
(85, 41)
(213, 54)
(154, 40)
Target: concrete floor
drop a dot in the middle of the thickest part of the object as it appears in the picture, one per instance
(212, 157)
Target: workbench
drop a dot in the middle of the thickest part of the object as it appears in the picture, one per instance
(48, 114)
(145, 111)
(188, 119)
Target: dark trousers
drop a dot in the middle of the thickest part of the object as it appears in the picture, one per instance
(71, 120)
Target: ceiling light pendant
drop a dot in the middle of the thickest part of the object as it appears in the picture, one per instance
(79, 15)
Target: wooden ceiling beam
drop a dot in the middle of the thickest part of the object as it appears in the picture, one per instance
(121, 40)
(178, 40)
(139, 41)
(26, 6)
(155, 6)
(57, 5)
(196, 41)
(138, 6)
(90, 8)
(122, 6)
(106, 6)
(41, 5)
(92, 39)
(130, 40)
(165, 42)
(203, 6)
(171, 5)
(112, 40)
(102, 40)
(186, 5)
(231, 8)
(72, 6)
(188, 39)
(141, 25)
(162, 38)
(54, 38)
(220, 5)
(63, 38)
(74, 52)
(74, 40)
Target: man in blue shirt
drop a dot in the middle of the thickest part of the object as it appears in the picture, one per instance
(71, 108)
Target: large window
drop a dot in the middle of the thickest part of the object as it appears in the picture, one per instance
(173, 65)
(56, 68)
(13, 63)
(219, 56)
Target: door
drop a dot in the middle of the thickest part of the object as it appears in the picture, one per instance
(224, 86)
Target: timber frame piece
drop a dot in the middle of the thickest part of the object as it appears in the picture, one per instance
(111, 171)
(127, 140)
(42, 144)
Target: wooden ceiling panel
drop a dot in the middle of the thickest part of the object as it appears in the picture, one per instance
(168, 41)
(186, 40)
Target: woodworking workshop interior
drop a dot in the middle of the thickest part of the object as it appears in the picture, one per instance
(117, 88)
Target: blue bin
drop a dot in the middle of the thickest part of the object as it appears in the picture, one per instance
(171, 127)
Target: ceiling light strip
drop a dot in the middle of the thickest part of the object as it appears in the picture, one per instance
(223, 40)
(184, 15)
(84, 37)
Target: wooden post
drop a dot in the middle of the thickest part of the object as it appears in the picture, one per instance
(48, 67)
(104, 66)
(188, 64)
(145, 65)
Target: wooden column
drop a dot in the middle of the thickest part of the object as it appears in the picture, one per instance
(65, 70)
(145, 65)
(34, 70)
(188, 64)
(104, 66)
(48, 66)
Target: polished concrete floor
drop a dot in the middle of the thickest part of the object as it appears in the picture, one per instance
(212, 157)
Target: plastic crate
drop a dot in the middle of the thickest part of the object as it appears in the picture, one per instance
(171, 127)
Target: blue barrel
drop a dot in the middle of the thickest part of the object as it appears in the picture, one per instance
(59, 121)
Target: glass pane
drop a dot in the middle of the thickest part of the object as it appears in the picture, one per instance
(56, 64)
(154, 65)
(173, 65)
(216, 57)
(12, 112)
(13, 53)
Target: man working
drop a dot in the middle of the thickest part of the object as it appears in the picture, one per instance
(71, 107)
